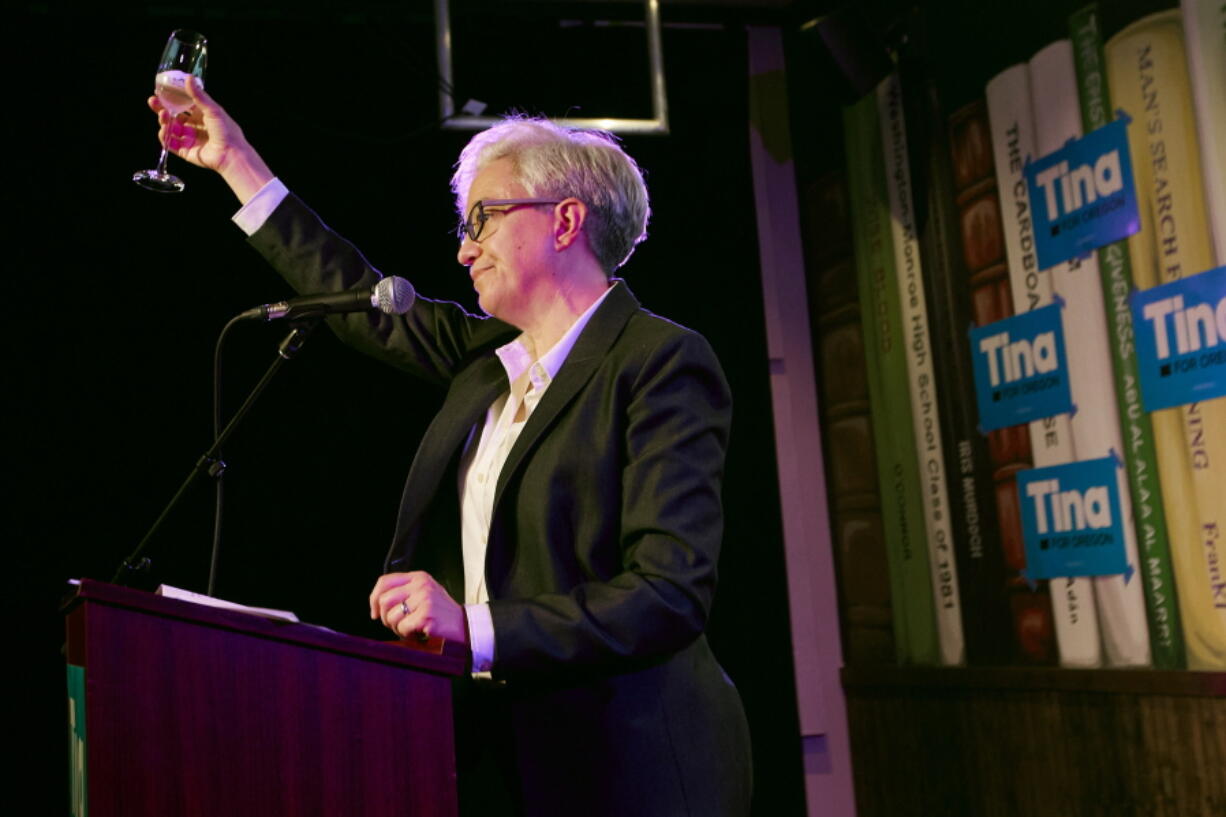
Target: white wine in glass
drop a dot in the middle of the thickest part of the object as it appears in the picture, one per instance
(185, 55)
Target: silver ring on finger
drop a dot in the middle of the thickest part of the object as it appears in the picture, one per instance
(404, 607)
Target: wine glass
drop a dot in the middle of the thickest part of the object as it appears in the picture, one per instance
(185, 55)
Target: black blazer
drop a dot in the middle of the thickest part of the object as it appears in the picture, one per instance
(607, 521)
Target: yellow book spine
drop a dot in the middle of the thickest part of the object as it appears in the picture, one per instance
(1148, 76)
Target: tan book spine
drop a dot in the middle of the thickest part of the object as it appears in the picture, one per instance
(1148, 77)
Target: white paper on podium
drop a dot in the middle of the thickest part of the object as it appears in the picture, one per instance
(199, 598)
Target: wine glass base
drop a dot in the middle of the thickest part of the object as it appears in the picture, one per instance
(158, 180)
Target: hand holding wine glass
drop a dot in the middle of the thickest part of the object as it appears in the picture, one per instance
(185, 55)
(206, 136)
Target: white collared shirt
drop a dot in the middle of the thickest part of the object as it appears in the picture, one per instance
(484, 456)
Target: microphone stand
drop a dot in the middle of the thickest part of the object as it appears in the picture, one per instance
(138, 565)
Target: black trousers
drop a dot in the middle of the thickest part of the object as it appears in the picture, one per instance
(486, 768)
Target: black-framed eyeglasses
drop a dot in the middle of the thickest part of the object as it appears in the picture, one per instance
(482, 209)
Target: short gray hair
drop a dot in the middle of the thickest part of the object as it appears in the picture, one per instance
(554, 161)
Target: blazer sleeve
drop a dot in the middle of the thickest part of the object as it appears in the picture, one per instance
(433, 340)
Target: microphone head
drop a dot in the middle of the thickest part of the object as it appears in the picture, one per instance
(394, 295)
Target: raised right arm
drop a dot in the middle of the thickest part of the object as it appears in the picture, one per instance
(432, 340)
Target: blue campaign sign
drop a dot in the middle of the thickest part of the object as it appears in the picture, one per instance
(1021, 371)
(1071, 520)
(1082, 195)
(1181, 340)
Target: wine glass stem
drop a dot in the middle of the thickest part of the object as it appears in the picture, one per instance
(162, 162)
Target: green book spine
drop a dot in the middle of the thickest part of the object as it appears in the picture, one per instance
(889, 394)
(927, 400)
(1158, 577)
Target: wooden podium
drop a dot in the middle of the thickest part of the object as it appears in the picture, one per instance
(192, 710)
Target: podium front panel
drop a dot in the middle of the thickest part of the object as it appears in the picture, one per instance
(209, 714)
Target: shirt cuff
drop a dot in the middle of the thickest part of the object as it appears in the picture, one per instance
(252, 215)
(480, 637)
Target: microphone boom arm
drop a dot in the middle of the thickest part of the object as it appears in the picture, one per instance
(136, 563)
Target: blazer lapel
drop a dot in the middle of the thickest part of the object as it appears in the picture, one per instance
(589, 350)
(471, 394)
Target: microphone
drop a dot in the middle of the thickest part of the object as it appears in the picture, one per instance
(392, 295)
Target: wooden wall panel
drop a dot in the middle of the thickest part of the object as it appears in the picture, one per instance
(1041, 743)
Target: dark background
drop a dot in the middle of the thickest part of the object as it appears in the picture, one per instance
(121, 294)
